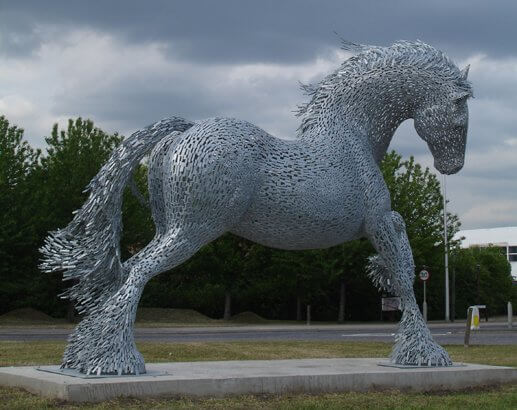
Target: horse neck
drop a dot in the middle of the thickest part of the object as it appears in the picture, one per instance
(368, 109)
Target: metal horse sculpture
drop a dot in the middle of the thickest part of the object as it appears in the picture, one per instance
(223, 174)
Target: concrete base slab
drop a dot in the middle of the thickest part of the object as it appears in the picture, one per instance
(254, 377)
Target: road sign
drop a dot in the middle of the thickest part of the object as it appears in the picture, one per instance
(424, 275)
(390, 304)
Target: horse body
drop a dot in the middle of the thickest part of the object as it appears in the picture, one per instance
(313, 202)
(223, 175)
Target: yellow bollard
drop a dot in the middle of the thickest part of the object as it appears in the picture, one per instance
(475, 318)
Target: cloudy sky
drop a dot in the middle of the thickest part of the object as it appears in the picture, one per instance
(125, 64)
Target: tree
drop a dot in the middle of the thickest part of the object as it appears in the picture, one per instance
(302, 273)
(38, 194)
(349, 261)
(136, 215)
(229, 262)
(483, 276)
(74, 156)
(18, 224)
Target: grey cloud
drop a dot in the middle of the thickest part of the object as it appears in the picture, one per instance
(270, 30)
(134, 104)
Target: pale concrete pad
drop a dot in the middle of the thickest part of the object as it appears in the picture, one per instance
(254, 377)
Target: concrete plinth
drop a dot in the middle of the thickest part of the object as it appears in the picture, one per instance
(253, 377)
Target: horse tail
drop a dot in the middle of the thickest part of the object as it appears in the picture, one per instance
(88, 248)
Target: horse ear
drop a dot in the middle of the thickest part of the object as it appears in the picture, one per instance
(460, 95)
(465, 72)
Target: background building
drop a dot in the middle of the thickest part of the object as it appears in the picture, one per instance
(503, 238)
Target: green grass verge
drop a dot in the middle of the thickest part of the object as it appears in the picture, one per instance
(503, 397)
(48, 352)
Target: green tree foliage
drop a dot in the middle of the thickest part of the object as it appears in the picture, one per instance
(230, 262)
(483, 276)
(18, 225)
(219, 280)
(317, 275)
(349, 260)
(136, 216)
(304, 273)
(74, 156)
(38, 194)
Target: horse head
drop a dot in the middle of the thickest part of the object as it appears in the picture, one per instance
(441, 120)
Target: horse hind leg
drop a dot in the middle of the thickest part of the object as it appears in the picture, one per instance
(103, 343)
(189, 212)
(393, 270)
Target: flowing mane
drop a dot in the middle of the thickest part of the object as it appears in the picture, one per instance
(416, 54)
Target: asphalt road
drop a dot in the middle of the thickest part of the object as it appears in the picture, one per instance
(490, 333)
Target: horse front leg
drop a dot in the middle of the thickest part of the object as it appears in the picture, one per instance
(393, 270)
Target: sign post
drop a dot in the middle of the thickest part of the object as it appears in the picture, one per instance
(424, 277)
(510, 315)
(467, 329)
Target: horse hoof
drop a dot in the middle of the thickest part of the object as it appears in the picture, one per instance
(128, 362)
(420, 353)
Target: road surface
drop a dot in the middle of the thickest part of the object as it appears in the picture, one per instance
(444, 333)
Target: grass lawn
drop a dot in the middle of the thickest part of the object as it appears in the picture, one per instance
(43, 352)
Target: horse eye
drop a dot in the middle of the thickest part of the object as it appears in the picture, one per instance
(461, 100)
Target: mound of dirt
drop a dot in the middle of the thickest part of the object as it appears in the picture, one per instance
(163, 315)
(26, 315)
(247, 317)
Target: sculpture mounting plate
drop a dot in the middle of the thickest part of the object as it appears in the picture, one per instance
(78, 374)
(414, 366)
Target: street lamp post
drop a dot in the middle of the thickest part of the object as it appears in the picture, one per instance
(446, 249)
(478, 268)
(453, 293)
